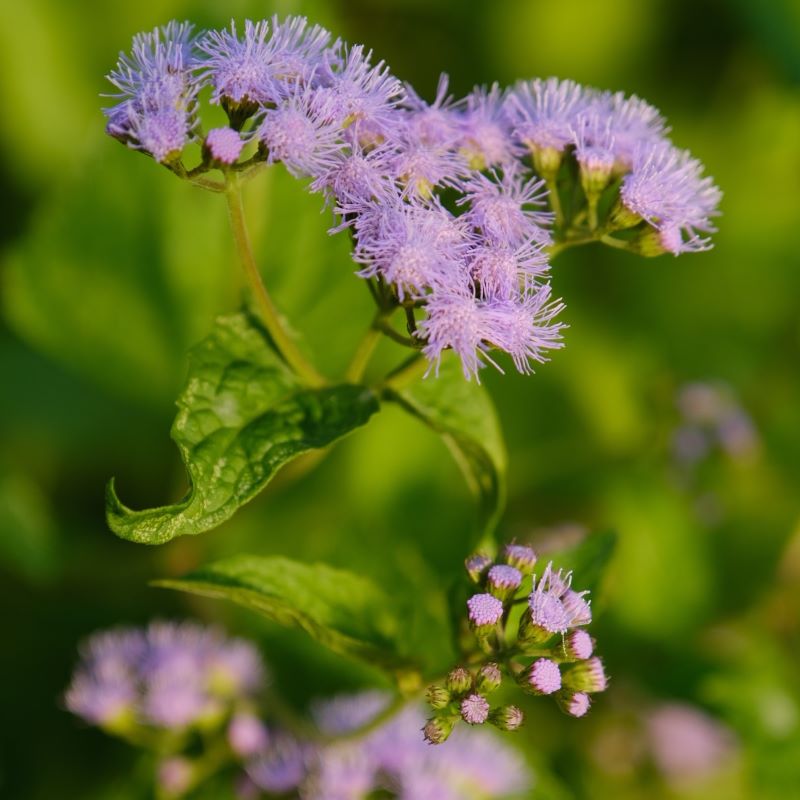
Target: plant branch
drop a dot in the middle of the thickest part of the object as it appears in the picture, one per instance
(270, 315)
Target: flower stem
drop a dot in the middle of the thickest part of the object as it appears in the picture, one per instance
(364, 350)
(411, 369)
(270, 315)
(555, 201)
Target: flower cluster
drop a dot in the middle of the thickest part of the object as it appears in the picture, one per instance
(169, 677)
(712, 417)
(453, 205)
(545, 650)
(391, 759)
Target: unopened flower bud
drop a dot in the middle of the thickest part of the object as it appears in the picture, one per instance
(474, 709)
(586, 676)
(485, 611)
(506, 718)
(543, 677)
(488, 678)
(577, 646)
(477, 565)
(520, 556)
(503, 580)
(546, 160)
(651, 243)
(224, 145)
(459, 681)
(438, 697)
(530, 633)
(596, 168)
(622, 217)
(438, 729)
(576, 704)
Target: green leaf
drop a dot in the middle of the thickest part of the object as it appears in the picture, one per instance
(242, 415)
(342, 611)
(463, 414)
(588, 559)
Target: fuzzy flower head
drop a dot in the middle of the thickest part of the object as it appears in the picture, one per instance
(299, 133)
(666, 187)
(436, 124)
(633, 123)
(360, 95)
(259, 67)
(167, 676)
(413, 247)
(542, 113)
(576, 704)
(525, 328)
(486, 139)
(156, 112)
(501, 270)
(504, 207)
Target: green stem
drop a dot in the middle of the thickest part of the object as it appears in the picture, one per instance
(591, 202)
(555, 201)
(269, 313)
(366, 347)
(612, 242)
(408, 372)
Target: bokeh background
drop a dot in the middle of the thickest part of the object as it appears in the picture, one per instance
(111, 269)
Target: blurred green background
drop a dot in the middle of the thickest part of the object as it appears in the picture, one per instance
(111, 269)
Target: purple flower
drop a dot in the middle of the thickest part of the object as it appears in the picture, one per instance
(247, 735)
(595, 151)
(524, 328)
(546, 609)
(169, 676)
(576, 704)
(299, 132)
(578, 645)
(360, 95)
(455, 321)
(502, 576)
(520, 556)
(543, 677)
(434, 125)
(666, 188)
(687, 744)
(414, 247)
(633, 123)
(358, 178)
(471, 763)
(484, 609)
(486, 138)
(500, 270)
(502, 207)
(282, 766)
(587, 676)
(477, 565)
(421, 166)
(224, 144)
(157, 92)
(260, 68)
(474, 709)
(543, 112)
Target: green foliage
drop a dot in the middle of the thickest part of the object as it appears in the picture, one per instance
(344, 612)
(242, 415)
(463, 414)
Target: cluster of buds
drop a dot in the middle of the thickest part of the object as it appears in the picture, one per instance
(545, 650)
(464, 696)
